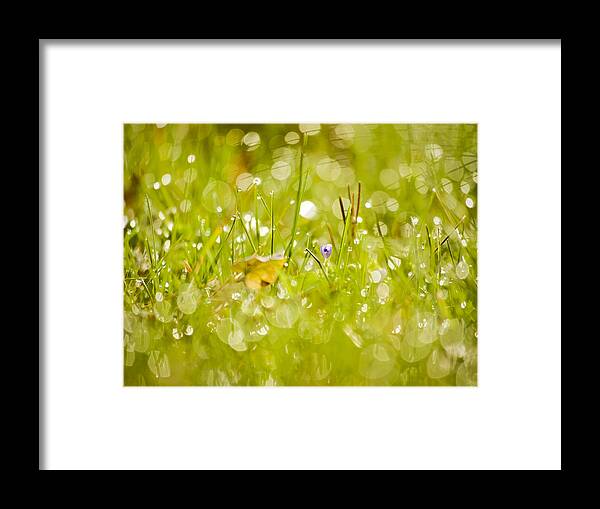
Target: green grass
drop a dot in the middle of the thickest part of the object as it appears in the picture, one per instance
(394, 304)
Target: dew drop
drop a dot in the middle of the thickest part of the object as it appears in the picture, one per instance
(267, 301)
(338, 316)
(375, 276)
(185, 206)
(281, 170)
(282, 292)
(462, 270)
(292, 138)
(306, 303)
(262, 331)
(308, 210)
(383, 291)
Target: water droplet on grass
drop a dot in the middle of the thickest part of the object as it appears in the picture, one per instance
(244, 181)
(421, 184)
(292, 138)
(335, 207)
(328, 169)
(236, 341)
(185, 206)
(217, 194)
(376, 276)
(308, 210)
(439, 364)
(281, 170)
(263, 330)
(382, 227)
(306, 303)
(158, 363)
(251, 140)
(267, 302)
(284, 315)
(162, 311)
(187, 300)
(413, 352)
(309, 129)
(282, 292)
(376, 361)
(383, 291)
(433, 152)
(469, 203)
(353, 335)
(462, 270)
(447, 185)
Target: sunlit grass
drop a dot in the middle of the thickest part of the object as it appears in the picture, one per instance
(300, 255)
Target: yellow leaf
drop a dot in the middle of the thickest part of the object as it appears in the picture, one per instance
(259, 271)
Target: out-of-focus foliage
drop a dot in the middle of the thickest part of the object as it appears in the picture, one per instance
(225, 282)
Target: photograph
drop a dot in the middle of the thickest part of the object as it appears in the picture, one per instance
(323, 254)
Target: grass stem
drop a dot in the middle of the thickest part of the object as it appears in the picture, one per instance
(319, 263)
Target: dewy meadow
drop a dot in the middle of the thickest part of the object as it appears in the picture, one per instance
(310, 254)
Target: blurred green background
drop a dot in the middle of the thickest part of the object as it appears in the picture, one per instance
(396, 306)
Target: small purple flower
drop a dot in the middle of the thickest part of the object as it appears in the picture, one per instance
(326, 250)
